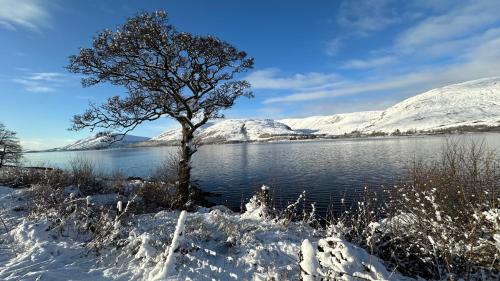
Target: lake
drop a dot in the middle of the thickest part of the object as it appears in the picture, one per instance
(326, 169)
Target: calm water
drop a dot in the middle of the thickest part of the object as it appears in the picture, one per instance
(326, 170)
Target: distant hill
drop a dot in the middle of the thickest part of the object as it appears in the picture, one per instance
(470, 104)
(234, 130)
(333, 125)
(104, 140)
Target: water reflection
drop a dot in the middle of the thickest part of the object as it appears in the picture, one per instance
(327, 170)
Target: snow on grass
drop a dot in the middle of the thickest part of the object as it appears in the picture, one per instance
(217, 244)
(345, 261)
(173, 249)
(309, 263)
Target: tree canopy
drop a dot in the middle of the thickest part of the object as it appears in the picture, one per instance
(166, 72)
(187, 77)
(10, 149)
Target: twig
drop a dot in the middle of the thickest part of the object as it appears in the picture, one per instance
(126, 208)
(4, 225)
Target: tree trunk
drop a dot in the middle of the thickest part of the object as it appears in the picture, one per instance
(2, 156)
(185, 165)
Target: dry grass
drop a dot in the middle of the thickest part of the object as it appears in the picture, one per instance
(440, 221)
(441, 214)
(157, 196)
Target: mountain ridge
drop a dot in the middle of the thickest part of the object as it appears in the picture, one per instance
(470, 103)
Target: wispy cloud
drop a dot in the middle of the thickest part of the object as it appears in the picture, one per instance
(479, 61)
(369, 63)
(272, 78)
(463, 20)
(484, 63)
(47, 76)
(447, 45)
(333, 46)
(367, 16)
(28, 14)
(364, 17)
(41, 82)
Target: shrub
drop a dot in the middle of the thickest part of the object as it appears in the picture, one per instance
(443, 215)
(168, 170)
(440, 222)
(157, 196)
(25, 177)
(84, 175)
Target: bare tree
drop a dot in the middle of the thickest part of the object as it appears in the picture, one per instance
(10, 149)
(166, 73)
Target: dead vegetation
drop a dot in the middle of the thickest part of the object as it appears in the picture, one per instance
(441, 222)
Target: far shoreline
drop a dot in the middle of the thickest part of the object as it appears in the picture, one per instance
(310, 138)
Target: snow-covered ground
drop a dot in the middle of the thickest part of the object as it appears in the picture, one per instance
(212, 244)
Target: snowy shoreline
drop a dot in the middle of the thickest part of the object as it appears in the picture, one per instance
(218, 244)
(278, 141)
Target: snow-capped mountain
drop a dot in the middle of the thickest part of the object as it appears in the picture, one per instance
(234, 130)
(470, 103)
(104, 140)
(337, 124)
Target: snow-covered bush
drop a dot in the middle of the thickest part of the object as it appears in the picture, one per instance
(440, 222)
(356, 223)
(24, 177)
(157, 196)
(439, 215)
(260, 205)
(291, 212)
(68, 211)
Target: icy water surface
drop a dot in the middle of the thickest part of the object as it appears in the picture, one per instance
(326, 170)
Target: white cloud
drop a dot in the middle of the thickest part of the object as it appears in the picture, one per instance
(41, 82)
(46, 76)
(417, 81)
(333, 46)
(462, 21)
(369, 63)
(460, 43)
(478, 61)
(271, 79)
(367, 15)
(28, 14)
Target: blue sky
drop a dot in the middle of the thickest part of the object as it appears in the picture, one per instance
(311, 57)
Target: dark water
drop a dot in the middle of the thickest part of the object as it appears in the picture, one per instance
(326, 170)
